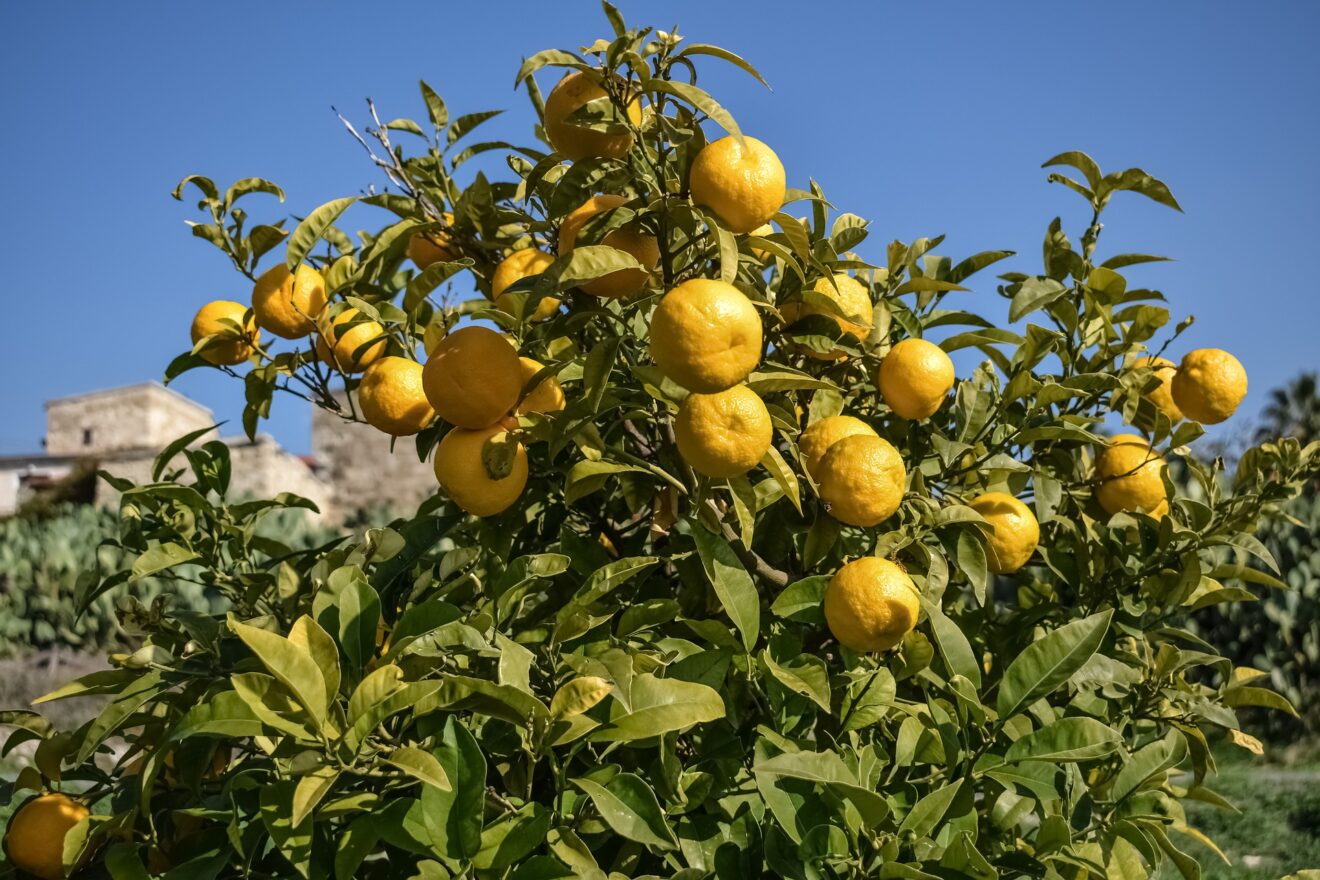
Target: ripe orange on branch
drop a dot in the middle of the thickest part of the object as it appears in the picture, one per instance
(706, 335)
(871, 604)
(743, 183)
(229, 347)
(1130, 476)
(392, 397)
(861, 480)
(515, 267)
(288, 303)
(34, 839)
(640, 245)
(724, 434)
(1208, 385)
(573, 141)
(915, 378)
(472, 378)
(483, 470)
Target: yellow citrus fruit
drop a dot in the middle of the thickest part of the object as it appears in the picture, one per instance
(1129, 476)
(547, 396)
(434, 332)
(575, 142)
(1208, 385)
(743, 183)
(821, 434)
(1016, 532)
(853, 300)
(339, 340)
(861, 480)
(871, 604)
(706, 335)
(392, 397)
(288, 303)
(1162, 395)
(723, 434)
(435, 246)
(35, 837)
(229, 348)
(644, 248)
(915, 377)
(473, 377)
(465, 461)
(516, 266)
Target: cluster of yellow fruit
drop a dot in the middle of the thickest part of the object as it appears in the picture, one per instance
(707, 337)
(1206, 387)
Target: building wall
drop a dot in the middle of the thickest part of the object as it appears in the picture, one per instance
(260, 469)
(355, 469)
(146, 416)
(355, 459)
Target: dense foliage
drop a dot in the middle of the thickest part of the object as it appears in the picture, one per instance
(627, 673)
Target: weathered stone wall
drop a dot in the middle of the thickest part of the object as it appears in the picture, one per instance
(136, 417)
(260, 469)
(355, 460)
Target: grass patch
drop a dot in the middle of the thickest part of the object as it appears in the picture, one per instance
(1278, 831)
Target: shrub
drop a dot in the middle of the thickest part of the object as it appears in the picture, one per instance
(628, 671)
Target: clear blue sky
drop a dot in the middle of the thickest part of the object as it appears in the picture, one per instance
(925, 118)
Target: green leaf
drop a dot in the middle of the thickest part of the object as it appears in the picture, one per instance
(1148, 762)
(579, 695)
(606, 579)
(133, 697)
(294, 840)
(658, 706)
(592, 261)
(1081, 162)
(312, 229)
(294, 667)
(925, 815)
(1034, 293)
(954, 647)
(829, 770)
(159, 558)
(806, 675)
(1047, 663)
(435, 106)
(1065, 741)
(801, 601)
(732, 583)
(629, 806)
(311, 789)
(421, 765)
(699, 99)
(725, 55)
(453, 817)
(784, 476)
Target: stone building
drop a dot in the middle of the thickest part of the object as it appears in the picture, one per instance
(122, 429)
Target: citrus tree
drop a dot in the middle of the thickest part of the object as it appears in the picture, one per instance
(729, 573)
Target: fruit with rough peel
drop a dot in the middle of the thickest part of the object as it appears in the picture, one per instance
(1015, 531)
(1209, 385)
(473, 377)
(743, 183)
(483, 471)
(228, 347)
(392, 397)
(724, 434)
(915, 378)
(871, 604)
(288, 303)
(861, 480)
(706, 335)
